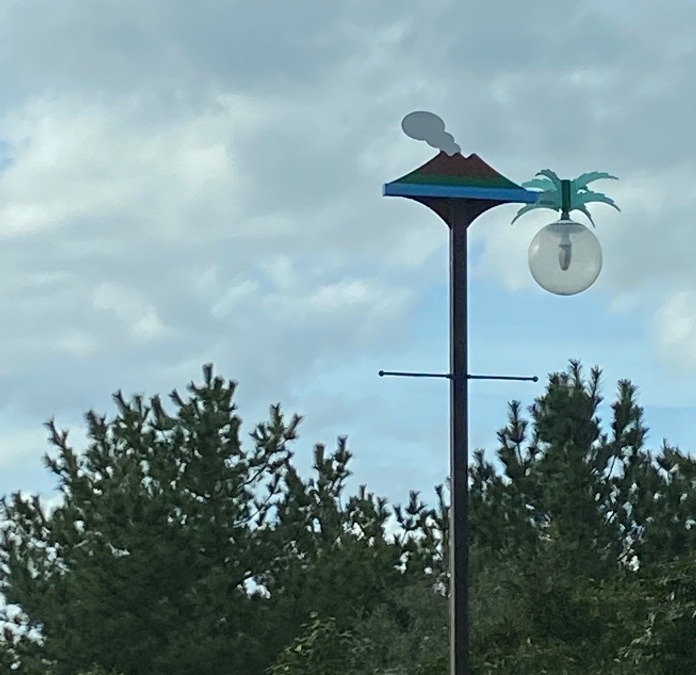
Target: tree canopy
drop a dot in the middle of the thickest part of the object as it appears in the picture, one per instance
(179, 549)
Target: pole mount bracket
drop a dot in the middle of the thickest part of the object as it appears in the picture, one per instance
(449, 376)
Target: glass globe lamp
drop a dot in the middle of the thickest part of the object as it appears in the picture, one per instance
(565, 258)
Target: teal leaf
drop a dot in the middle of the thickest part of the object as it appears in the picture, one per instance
(549, 195)
(539, 184)
(531, 207)
(523, 210)
(584, 210)
(589, 196)
(582, 181)
(551, 176)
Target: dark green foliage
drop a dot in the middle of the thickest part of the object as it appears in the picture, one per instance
(319, 649)
(604, 494)
(331, 560)
(166, 519)
(159, 527)
(560, 528)
(407, 634)
(666, 641)
(177, 551)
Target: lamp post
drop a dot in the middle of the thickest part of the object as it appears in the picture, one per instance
(564, 258)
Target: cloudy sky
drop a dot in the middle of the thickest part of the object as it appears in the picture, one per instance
(190, 182)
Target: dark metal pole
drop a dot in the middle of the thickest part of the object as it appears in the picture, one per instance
(459, 213)
(459, 444)
(457, 189)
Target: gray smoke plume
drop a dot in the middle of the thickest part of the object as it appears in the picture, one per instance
(426, 126)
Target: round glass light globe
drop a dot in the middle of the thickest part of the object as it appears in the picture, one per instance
(565, 258)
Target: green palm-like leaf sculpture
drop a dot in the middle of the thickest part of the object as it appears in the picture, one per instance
(566, 195)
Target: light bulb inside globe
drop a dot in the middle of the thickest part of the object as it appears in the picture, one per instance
(565, 251)
(565, 258)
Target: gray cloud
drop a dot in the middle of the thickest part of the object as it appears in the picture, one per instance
(203, 183)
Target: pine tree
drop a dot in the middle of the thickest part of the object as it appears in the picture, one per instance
(176, 550)
(144, 565)
(562, 525)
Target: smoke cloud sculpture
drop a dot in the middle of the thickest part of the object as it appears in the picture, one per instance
(426, 126)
